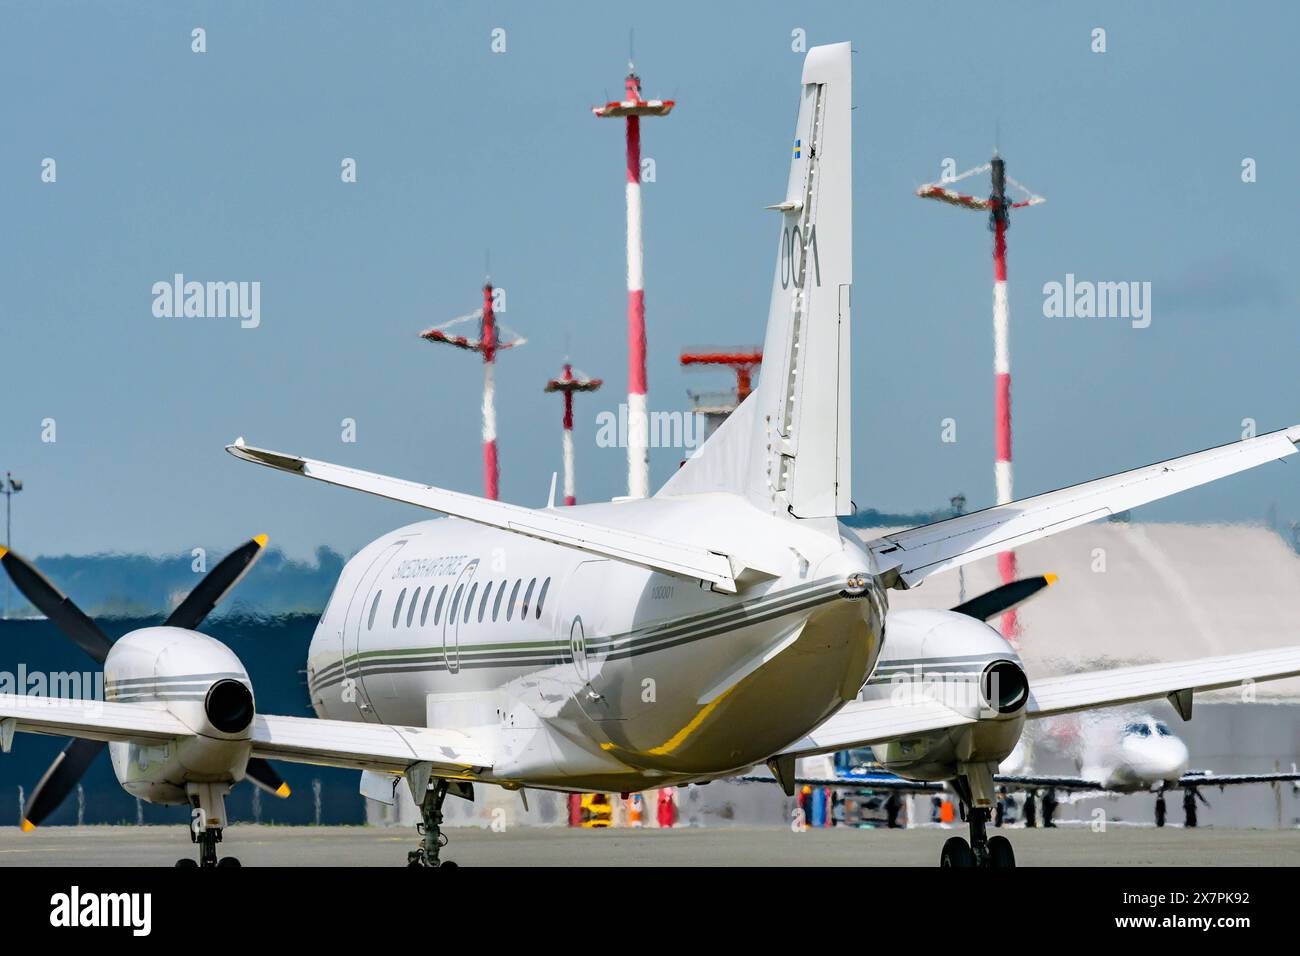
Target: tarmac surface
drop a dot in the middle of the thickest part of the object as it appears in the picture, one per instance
(560, 846)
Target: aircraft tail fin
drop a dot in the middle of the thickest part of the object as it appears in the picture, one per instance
(787, 447)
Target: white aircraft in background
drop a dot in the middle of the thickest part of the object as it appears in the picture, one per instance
(1119, 754)
(728, 621)
(1136, 752)
(1116, 752)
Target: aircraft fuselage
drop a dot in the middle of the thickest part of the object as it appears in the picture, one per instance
(586, 672)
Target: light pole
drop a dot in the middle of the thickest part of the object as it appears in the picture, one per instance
(9, 487)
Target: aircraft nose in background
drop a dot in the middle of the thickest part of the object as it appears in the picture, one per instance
(1158, 758)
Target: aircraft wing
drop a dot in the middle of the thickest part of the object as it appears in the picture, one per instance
(91, 719)
(909, 557)
(863, 723)
(1206, 778)
(1022, 781)
(332, 743)
(884, 780)
(384, 747)
(550, 525)
(1124, 685)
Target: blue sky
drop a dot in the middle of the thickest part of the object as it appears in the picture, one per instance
(225, 166)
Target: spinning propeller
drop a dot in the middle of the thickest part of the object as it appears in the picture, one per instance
(70, 765)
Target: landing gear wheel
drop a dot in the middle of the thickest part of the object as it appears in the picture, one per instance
(432, 839)
(207, 841)
(229, 861)
(1001, 856)
(956, 854)
(187, 863)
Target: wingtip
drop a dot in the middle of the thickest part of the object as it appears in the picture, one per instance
(28, 826)
(283, 791)
(3, 551)
(1050, 579)
(261, 540)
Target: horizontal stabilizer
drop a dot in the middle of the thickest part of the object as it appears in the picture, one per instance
(909, 557)
(551, 525)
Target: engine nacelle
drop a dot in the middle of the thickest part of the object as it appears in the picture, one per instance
(202, 683)
(966, 665)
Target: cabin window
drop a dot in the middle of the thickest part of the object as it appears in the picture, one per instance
(514, 594)
(541, 596)
(374, 606)
(455, 603)
(482, 604)
(424, 611)
(496, 605)
(437, 611)
(528, 596)
(469, 602)
(410, 610)
(397, 608)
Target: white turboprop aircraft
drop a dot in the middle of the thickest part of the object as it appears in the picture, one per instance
(726, 622)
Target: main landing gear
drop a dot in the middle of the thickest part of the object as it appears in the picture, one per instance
(432, 839)
(975, 789)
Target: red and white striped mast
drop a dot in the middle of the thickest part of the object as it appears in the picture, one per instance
(488, 344)
(566, 385)
(999, 207)
(632, 107)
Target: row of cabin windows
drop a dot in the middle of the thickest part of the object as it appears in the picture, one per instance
(466, 608)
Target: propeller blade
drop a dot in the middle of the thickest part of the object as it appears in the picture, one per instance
(208, 593)
(262, 774)
(60, 780)
(56, 606)
(1004, 598)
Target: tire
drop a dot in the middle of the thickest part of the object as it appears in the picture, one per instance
(229, 861)
(956, 854)
(1001, 856)
(187, 863)
(449, 863)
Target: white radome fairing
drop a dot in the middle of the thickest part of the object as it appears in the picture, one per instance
(176, 670)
